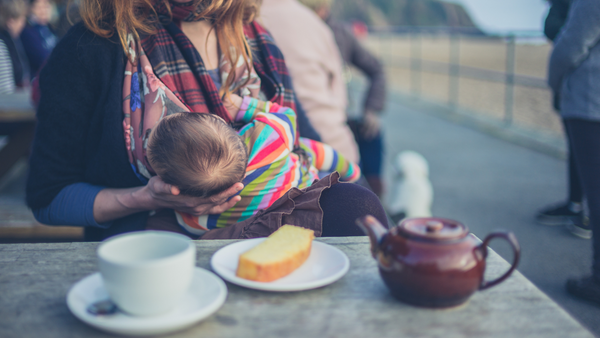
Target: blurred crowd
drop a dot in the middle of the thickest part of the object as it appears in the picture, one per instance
(29, 30)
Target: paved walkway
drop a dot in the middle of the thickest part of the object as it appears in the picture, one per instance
(486, 183)
(489, 184)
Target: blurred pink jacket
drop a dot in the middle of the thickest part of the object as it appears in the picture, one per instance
(315, 66)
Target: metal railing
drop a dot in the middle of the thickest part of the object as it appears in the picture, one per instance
(453, 68)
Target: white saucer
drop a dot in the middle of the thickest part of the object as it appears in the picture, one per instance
(325, 265)
(205, 296)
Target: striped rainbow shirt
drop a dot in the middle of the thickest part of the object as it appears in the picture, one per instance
(275, 165)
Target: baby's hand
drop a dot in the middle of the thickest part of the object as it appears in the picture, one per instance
(232, 104)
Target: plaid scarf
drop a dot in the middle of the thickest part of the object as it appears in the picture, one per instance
(270, 66)
(166, 74)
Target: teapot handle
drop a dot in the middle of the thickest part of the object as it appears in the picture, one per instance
(510, 237)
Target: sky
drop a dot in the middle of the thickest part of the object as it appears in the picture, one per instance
(501, 16)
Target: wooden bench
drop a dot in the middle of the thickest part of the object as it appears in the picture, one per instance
(17, 113)
(17, 224)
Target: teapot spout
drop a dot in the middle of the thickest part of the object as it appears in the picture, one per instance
(373, 228)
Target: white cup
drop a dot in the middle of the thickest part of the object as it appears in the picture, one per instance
(146, 273)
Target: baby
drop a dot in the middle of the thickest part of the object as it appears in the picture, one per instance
(202, 156)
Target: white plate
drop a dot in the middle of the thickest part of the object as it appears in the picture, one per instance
(205, 296)
(325, 265)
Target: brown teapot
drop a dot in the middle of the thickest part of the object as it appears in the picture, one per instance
(432, 262)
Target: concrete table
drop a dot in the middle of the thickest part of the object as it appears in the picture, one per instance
(35, 278)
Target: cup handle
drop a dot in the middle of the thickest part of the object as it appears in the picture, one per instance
(510, 237)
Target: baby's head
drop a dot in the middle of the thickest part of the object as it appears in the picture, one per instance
(198, 153)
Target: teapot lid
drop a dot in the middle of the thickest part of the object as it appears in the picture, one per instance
(433, 229)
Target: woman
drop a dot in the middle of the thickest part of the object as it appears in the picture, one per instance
(574, 74)
(115, 75)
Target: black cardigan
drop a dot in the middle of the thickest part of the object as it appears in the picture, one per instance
(79, 135)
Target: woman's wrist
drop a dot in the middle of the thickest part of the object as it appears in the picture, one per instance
(111, 204)
(138, 200)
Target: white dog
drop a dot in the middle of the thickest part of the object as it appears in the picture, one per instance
(411, 194)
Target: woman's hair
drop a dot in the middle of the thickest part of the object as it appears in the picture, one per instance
(107, 17)
(198, 153)
(11, 9)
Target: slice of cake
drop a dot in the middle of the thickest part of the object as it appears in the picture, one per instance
(277, 256)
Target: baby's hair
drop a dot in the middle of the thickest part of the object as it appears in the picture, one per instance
(198, 153)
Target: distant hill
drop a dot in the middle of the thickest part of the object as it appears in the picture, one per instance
(412, 13)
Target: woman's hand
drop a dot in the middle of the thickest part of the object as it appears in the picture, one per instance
(111, 204)
(168, 196)
(233, 104)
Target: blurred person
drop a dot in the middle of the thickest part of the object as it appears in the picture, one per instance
(574, 74)
(68, 15)
(555, 20)
(315, 65)
(366, 128)
(37, 37)
(572, 209)
(14, 67)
